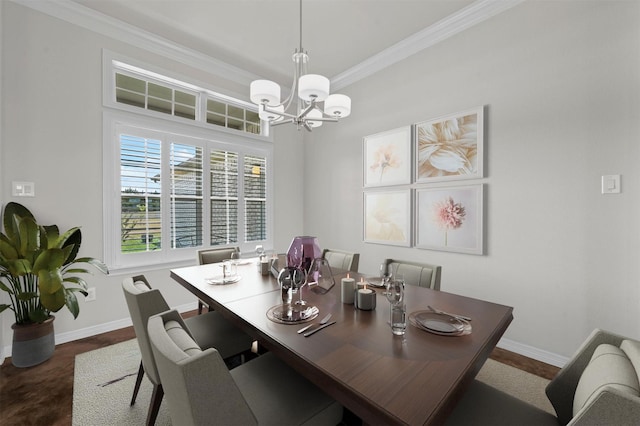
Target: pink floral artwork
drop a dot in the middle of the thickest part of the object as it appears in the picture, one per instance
(387, 158)
(449, 218)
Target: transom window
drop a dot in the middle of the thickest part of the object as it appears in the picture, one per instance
(172, 188)
(136, 88)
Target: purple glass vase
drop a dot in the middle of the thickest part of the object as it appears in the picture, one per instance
(302, 252)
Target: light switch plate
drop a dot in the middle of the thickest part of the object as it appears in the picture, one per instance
(611, 184)
(23, 189)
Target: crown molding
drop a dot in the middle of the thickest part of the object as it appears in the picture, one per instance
(453, 24)
(84, 17)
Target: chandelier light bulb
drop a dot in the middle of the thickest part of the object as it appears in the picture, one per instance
(264, 92)
(337, 106)
(313, 87)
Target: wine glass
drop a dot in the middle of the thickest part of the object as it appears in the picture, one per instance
(260, 252)
(395, 290)
(291, 280)
(235, 257)
(385, 276)
(299, 280)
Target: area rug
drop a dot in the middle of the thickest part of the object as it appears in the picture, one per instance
(104, 380)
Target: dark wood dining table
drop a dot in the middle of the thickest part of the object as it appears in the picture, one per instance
(385, 379)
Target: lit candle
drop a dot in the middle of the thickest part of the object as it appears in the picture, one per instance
(366, 299)
(362, 284)
(348, 287)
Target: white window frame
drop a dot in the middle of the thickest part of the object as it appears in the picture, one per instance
(118, 117)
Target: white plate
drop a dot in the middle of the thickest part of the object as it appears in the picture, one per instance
(220, 280)
(375, 282)
(441, 324)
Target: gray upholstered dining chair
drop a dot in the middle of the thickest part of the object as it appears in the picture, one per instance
(214, 255)
(339, 259)
(416, 273)
(209, 330)
(598, 386)
(201, 391)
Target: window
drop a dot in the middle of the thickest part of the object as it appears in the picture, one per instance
(136, 88)
(174, 186)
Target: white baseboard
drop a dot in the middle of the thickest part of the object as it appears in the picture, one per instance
(70, 336)
(534, 353)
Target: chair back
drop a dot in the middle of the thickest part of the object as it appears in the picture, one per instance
(416, 273)
(144, 302)
(197, 384)
(215, 255)
(344, 260)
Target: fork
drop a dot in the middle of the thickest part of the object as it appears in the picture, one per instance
(322, 322)
(438, 311)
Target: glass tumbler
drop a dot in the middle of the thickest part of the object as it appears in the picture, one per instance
(398, 319)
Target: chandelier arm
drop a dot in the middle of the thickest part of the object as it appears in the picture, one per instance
(277, 123)
(307, 126)
(307, 110)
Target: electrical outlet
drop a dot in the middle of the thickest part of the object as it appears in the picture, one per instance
(91, 294)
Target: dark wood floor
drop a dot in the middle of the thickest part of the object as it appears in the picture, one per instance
(43, 395)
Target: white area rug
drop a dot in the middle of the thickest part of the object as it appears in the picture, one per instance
(104, 380)
(103, 385)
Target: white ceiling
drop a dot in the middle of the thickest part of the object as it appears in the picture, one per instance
(260, 35)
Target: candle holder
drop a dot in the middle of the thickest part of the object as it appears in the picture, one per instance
(365, 299)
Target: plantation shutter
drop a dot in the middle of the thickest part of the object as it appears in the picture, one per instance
(224, 197)
(140, 213)
(185, 165)
(255, 198)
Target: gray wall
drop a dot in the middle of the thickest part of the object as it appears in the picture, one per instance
(560, 85)
(562, 94)
(52, 136)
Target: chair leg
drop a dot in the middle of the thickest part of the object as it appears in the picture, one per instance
(154, 406)
(136, 388)
(200, 306)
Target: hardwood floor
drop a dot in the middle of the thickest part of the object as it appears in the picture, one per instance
(43, 395)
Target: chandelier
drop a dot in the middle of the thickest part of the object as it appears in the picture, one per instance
(309, 92)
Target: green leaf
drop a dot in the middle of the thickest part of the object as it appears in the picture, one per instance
(50, 281)
(72, 302)
(4, 307)
(49, 259)
(12, 212)
(28, 231)
(38, 315)
(7, 250)
(53, 301)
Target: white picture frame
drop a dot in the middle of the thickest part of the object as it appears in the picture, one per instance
(450, 147)
(387, 217)
(450, 218)
(387, 158)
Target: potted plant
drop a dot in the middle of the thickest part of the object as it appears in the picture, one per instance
(39, 271)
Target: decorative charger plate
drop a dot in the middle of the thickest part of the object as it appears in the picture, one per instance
(220, 280)
(292, 314)
(442, 324)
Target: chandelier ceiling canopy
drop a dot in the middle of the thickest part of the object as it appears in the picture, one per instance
(313, 104)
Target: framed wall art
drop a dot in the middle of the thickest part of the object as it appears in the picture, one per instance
(449, 218)
(387, 158)
(450, 147)
(387, 217)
